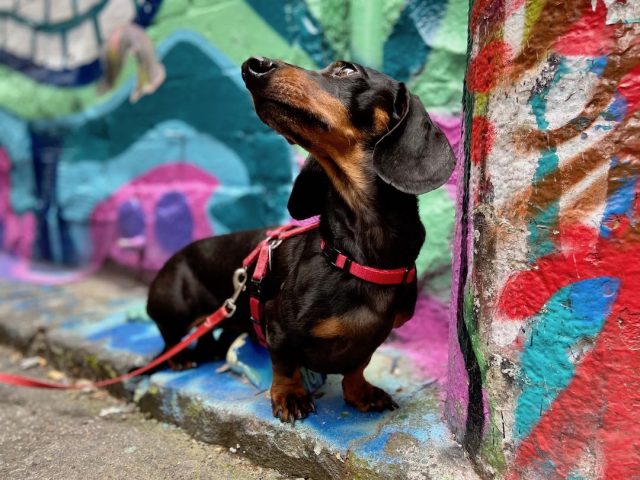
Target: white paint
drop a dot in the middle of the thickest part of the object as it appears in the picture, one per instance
(573, 90)
(49, 51)
(628, 12)
(82, 46)
(514, 29)
(504, 333)
(33, 11)
(115, 14)
(60, 11)
(18, 39)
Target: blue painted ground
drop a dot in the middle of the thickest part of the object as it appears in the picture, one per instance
(109, 317)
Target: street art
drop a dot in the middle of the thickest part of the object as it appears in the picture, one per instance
(97, 172)
(547, 315)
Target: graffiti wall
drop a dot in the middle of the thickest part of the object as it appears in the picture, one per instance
(127, 143)
(545, 302)
(127, 131)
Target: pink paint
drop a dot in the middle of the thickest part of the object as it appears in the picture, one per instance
(457, 396)
(195, 184)
(424, 338)
(19, 230)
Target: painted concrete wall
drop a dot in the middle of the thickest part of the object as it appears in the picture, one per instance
(546, 376)
(92, 177)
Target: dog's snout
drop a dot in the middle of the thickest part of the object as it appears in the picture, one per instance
(257, 68)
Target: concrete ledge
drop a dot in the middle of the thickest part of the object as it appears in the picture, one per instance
(86, 330)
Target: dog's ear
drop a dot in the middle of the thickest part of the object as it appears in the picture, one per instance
(309, 191)
(415, 156)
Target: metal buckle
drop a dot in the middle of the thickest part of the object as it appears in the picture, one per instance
(331, 253)
(239, 286)
(273, 244)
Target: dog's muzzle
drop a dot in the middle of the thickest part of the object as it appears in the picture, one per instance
(257, 69)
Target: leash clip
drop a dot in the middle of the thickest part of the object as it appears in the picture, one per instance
(239, 286)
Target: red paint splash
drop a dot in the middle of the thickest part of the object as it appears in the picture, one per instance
(487, 13)
(629, 88)
(601, 404)
(483, 135)
(590, 35)
(487, 66)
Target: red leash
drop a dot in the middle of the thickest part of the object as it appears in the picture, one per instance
(261, 256)
(227, 310)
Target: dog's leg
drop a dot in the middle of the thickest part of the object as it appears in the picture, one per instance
(172, 333)
(364, 396)
(289, 399)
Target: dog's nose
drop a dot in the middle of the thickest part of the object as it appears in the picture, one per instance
(257, 67)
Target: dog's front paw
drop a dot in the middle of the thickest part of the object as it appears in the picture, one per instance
(371, 399)
(292, 406)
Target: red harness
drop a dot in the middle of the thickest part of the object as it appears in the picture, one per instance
(261, 256)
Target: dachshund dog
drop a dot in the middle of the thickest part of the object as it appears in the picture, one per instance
(372, 148)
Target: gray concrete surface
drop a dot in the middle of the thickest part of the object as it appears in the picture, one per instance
(60, 435)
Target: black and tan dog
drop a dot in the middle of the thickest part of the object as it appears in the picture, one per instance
(372, 148)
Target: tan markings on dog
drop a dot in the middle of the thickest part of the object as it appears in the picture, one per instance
(400, 319)
(380, 120)
(332, 327)
(281, 385)
(339, 150)
(362, 395)
(355, 386)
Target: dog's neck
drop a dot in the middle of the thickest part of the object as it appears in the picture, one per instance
(385, 231)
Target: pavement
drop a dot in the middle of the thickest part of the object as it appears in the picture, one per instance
(94, 329)
(92, 435)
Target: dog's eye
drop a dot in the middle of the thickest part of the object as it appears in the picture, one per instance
(344, 70)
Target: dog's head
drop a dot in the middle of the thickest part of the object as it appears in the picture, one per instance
(358, 123)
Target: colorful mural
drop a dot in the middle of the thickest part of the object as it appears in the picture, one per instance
(96, 171)
(548, 325)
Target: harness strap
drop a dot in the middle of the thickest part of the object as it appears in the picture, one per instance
(398, 276)
(261, 256)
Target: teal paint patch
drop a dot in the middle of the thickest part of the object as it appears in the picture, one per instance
(547, 164)
(16, 140)
(84, 184)
(541, 236)
(295, 22)
(560, 335)
(204, 90)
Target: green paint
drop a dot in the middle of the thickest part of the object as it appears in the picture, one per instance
(391, 11)
(439, 85)
(491, 447)
(532, 10)
(339, 21)
(437, 213)
(30, 100)
(480, 106)
(334, 17)
(366, 32)
(234, 28)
